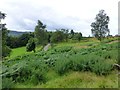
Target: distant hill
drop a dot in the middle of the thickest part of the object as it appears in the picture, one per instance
(15, 33)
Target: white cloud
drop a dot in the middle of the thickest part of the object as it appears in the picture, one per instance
(72, 14)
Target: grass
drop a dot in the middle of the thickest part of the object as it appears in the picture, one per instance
(78, 80)
(18, 51)
(21, 51)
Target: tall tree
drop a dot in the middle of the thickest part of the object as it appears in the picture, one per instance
(100, 26)
(41, 33)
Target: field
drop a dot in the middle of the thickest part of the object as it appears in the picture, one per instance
(84, 64)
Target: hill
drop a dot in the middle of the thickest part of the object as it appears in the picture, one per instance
(15, 33)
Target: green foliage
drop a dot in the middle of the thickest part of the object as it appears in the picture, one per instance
(31, 45)
(22, 40)
(77, 36)
(102, 67)
(57, 36)
(7, 83)
(63, 49)
(25, 71)
(62, 65)
(5, 51)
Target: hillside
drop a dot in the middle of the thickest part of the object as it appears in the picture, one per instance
(86, 64)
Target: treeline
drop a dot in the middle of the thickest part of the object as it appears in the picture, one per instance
(61, 35)
(42, 36)
(18, 41)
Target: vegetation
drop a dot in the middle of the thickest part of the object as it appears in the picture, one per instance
(31, 45)
(77, 61)
(34, 68)
(41, 33)
(19, 41)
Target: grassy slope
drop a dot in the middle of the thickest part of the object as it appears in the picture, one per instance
(73, 79)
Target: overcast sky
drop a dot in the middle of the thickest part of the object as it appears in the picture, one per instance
(22, 15)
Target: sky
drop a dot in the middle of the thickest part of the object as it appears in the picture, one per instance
(22, 15)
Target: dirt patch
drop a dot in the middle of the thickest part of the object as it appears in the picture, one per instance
(113, 42)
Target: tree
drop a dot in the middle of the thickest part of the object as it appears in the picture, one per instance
(13, 42)
(49, 34)
(100, 26)
(41, 33)
(23, 39)
(71, 35)
(77, 36)
(5, 49)
(31, 45)
(72, 32)
(58, 36)
(65, 32)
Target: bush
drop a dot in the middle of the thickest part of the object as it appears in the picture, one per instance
(30, 45)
